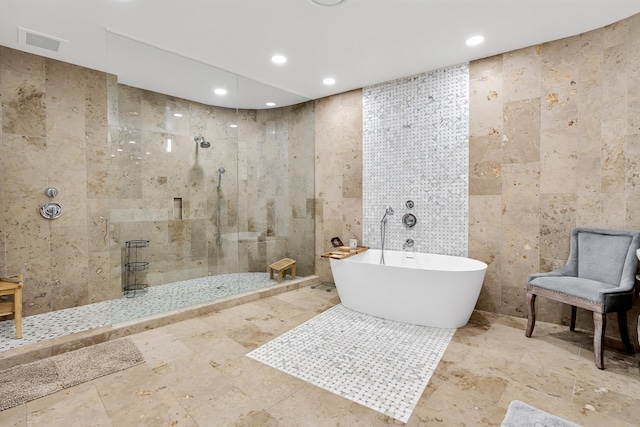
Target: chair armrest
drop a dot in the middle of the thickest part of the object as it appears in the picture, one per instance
(626, 286)
(563, 271)
(613, 291)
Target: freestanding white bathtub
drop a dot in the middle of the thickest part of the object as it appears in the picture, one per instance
(423, 289)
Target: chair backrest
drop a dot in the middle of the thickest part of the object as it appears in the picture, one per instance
(603, 254)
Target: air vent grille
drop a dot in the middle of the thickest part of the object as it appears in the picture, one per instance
(42, 41)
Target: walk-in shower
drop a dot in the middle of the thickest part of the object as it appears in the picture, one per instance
(199, 139)
(219, 221)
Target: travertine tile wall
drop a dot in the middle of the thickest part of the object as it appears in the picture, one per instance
(555, 137)
(338, 173)
(276, 194)
(104, 146)
(53, 135)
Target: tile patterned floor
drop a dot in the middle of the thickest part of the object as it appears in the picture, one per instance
(197, 374)
(155, 300)
(378, 363)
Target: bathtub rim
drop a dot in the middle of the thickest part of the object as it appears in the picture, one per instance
(374, 255)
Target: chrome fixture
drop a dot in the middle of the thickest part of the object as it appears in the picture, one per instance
(51, 210)
(408, 244)
(383, 231)
(388, 212)
(409, 220)
(199, 139)
(51, 192)
(221, 170)
(409, 204)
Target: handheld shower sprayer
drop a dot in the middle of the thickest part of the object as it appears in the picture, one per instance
(221, 170)
(387, 213)
(383, 231)
(218, 220)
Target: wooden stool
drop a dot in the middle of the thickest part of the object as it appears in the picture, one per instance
(12, 286)
(281, 266)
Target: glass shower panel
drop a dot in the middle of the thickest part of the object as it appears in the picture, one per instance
(276, 215)
(173, 180)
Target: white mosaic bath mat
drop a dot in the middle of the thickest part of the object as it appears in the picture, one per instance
(381, 364)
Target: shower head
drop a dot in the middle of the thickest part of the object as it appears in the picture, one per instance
(199, 139)
(389, 211)
(221, 170)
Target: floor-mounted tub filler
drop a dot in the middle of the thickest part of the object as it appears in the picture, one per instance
(418, 288)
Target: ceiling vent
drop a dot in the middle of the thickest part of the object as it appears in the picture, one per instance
(41, 41)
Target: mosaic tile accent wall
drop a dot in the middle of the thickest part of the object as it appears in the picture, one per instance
(415, 147)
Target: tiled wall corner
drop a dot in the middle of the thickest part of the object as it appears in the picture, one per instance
(338, 173)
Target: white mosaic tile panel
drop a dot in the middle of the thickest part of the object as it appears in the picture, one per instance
(377, 363)
(415, 147)
(158, 299)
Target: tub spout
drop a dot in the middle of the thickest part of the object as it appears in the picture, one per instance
(408, 244)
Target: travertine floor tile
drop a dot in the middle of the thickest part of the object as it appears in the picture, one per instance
(196, 374)
(14, 417)
(262, 383)
(313, 406)
(80, 403)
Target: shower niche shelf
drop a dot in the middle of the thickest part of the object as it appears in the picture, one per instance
(132, 266)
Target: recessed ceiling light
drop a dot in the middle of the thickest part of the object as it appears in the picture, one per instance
(278, 59)
(327, 2)
(233, 126)
(220, 91)
(177, 115)
(329, 81)
(475, 40)
(271, 104)
(132, 142)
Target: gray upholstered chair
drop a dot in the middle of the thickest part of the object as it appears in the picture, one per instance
(599, 276)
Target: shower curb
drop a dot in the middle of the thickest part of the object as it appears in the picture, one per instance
(54, 346)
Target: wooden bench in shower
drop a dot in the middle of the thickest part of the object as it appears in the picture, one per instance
(12, 286)
(281, 267)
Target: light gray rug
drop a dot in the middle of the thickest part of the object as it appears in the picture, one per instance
(378, 363)
(33, 380)
(520, 414)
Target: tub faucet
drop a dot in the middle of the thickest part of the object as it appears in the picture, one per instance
(408, 244)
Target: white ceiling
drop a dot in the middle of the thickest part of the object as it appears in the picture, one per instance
(186, 48)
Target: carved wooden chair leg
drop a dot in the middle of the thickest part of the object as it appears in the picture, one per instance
(531, 311)
(574, 312)
(624, 332)
(599, 325)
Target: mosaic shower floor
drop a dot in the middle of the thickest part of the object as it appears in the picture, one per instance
(155, 300)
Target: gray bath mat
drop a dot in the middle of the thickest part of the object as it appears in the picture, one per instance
(33, 380)
(520, 414)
